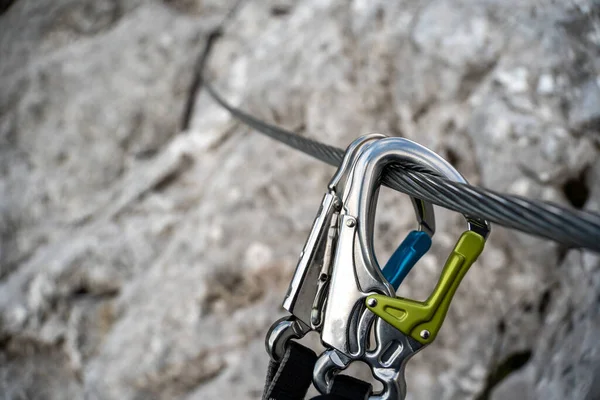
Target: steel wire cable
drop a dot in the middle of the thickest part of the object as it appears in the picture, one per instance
(502, 210)
(573, 228)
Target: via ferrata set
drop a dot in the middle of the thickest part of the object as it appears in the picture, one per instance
(340, 291)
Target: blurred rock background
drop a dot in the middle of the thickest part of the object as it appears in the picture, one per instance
(147, 238)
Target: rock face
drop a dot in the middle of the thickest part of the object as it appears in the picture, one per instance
(147, 238)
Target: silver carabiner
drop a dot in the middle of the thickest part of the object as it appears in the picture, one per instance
(307, 293)
(309, 278)
(356, 273)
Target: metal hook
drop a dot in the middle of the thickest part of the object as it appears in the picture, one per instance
(308, 287)
(307, 292)
(364, 292)
(355, 271)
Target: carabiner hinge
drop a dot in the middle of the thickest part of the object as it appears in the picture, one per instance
(316, 316)
(300, 297)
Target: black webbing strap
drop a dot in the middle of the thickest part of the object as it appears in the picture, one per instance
(347, 388)
(290, 378)
(351, 388)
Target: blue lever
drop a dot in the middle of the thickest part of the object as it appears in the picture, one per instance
(416, 244)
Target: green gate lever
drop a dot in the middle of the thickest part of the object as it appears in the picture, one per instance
(423, 320)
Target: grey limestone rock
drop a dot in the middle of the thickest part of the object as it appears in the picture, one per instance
(145, 250)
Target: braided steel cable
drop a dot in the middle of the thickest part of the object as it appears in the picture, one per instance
(573, 228)
(326, 153)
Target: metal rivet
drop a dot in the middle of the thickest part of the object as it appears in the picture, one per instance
(371, 302)
(350, 223)
(425, 334)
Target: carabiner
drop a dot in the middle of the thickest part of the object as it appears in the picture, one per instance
(423, 320)
(307, 284)
(363, 292)
(356, 273)
(307, 292)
